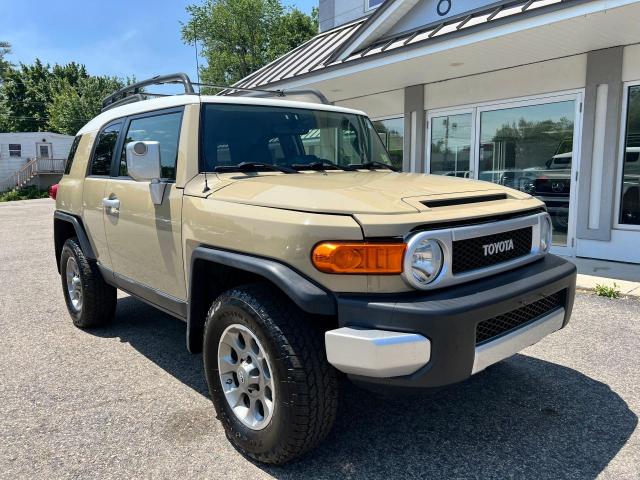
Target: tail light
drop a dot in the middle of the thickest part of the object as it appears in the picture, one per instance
(53, 191)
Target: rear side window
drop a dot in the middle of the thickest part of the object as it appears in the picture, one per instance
(103, 153)
(72, 154)
(163, 128)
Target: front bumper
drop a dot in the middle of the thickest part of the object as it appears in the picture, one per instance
(434, 334)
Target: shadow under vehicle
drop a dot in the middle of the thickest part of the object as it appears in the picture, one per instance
(523, 418)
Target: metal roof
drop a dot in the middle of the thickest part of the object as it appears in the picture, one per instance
(309, 56)
(319, 53)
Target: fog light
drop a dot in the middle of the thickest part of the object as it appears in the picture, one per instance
(546, 233)
(423, 261)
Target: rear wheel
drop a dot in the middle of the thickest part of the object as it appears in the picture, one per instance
(91, 302)
(267, 372)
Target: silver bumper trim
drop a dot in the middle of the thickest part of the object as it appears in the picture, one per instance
(510, 344)
(376, 353)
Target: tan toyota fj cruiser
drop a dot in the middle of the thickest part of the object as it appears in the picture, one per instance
(281, 234)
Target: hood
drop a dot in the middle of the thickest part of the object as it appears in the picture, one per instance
(373, 192)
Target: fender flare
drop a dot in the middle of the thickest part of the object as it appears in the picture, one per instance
(85, 244)
(308, 296)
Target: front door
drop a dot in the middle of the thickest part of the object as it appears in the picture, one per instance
(144, 239)
(531, 146)
(43, 150)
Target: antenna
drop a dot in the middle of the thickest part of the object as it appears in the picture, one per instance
(195, 44)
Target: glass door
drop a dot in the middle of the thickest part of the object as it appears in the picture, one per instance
(527, 145)
(450, 149)
(629, 184)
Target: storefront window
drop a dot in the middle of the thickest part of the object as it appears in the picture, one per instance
(451, 145)
(391, 132)
(530, 149)
(630, 200)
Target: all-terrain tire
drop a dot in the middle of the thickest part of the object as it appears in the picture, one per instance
(98, 298)
(306, 386)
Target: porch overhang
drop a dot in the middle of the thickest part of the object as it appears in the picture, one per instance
(578, 27)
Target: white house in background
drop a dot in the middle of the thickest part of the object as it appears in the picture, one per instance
(42, 153)
(538, 95)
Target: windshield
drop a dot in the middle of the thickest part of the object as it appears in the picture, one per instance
(287, 137)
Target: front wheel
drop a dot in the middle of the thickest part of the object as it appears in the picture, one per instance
(267, 372)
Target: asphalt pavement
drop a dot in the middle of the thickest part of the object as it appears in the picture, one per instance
(128, 401)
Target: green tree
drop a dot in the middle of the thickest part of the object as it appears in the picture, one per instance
(291, 30)
(5, 49)
(633, 115)
(240, 36)
(73, 105)
(61, 98)
(24, 95)
(529, 143)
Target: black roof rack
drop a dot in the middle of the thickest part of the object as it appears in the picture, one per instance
(135, 93)
(125, 94)
(261, 92)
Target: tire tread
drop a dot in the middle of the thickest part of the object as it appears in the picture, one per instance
(315, 381)
(98, 297)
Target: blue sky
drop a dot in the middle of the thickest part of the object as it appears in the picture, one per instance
(118, 37)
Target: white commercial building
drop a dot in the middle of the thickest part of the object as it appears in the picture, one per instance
(539, 95)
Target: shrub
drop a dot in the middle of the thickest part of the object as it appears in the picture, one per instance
(607, 291)
(27, 193)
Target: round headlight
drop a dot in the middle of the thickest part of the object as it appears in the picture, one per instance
(423, 261)
(546, 233)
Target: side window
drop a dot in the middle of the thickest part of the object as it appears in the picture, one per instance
(15, 150)
(165, 129)
(72, 154)
(103, 153)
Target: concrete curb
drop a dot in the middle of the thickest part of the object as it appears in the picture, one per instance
(589, 282)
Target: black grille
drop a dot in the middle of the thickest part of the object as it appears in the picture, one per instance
(503, 324)
(486, 251)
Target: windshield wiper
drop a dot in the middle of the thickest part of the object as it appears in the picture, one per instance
(321, 165)
(253, 167)
(373, 166)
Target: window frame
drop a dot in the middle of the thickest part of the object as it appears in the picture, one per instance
(392, 117)
(115, 161)
(19, 150)
(622, 145)
(530, 100)
(111, 123)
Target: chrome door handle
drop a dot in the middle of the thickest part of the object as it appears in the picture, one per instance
(113, 204)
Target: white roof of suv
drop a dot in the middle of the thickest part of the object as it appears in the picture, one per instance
(178, 100)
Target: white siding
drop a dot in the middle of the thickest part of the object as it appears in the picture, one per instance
(333, 13)
(60, 146)
(623, 246)
(538, 78)
(426, 13)
(379, 105)
(631, 64)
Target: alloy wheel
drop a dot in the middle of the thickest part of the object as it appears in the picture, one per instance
(74, 284)
(246, 376)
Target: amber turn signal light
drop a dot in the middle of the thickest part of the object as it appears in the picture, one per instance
(359, 258)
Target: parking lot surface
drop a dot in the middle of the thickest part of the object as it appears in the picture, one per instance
(128, 401)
